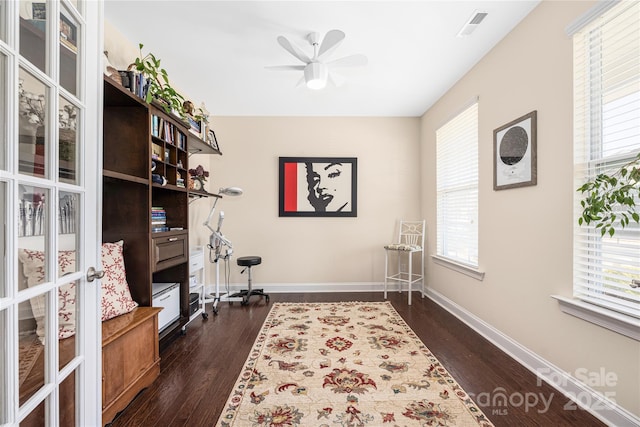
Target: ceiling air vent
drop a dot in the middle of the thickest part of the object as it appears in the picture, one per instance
(475, 20)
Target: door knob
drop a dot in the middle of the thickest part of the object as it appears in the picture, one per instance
(92, 274)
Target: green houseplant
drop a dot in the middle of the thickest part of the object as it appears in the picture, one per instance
(160, 88)
(607, 193)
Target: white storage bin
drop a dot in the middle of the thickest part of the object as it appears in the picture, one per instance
(166, 296)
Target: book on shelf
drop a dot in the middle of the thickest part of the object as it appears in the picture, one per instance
(158, 216)
(135, 82)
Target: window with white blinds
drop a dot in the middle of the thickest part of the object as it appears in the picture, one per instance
(606, 135)
(457, 188)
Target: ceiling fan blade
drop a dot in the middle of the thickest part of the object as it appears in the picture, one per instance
(356, 60)
(286, 67)
(331, 40)
(293, 49)
(336, 79)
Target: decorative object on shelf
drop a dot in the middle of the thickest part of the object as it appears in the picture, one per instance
(109, 70)
(607, 196)
(330, 184)
(196, 184)
(188, 107)
(179, 180)
(199, 176)
(514, 153)
(158, 179)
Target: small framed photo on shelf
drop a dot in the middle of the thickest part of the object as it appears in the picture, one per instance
(211, 139)
(68, 33)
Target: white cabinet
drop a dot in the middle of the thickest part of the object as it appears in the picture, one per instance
(196, 284)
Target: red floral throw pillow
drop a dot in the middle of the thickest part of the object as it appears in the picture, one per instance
(115, 300)
(33, 270)
(116, 297)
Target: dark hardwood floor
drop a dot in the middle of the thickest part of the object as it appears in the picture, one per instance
(199, 369)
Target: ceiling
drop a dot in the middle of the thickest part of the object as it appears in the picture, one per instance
(217, 51)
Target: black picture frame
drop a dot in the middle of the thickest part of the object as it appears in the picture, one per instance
(212, 140)
(515, 153)
(318, 187)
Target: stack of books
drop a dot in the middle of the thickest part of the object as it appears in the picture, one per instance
(135, 82)
(158, 219)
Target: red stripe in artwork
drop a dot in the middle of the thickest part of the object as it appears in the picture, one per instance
(290, 187)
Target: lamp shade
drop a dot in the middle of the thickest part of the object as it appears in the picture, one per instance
(230, 191)
(315, 75)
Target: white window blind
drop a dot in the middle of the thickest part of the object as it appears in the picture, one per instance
(606, 134)
(457, 188)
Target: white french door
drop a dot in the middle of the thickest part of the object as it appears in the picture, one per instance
(50, 169)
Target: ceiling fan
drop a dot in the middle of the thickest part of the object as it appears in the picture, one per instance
(317, 70)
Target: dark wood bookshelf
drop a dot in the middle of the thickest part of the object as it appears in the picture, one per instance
(129, 194)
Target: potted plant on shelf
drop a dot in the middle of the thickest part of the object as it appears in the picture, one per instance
(611, 199)
(159, 87)
(161, 90)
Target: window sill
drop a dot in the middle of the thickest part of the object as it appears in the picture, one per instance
(460, 268)
(620, 323)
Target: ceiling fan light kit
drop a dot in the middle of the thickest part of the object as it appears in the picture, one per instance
(317, 72)
(315, 75)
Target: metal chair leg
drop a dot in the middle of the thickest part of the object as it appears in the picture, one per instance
(386, 271)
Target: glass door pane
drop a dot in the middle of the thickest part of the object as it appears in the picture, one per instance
(3, 109)
(33, 273)
(3, 31)
(68, 118)
(33, 32)
(69, 37)
(4, 363)
(33, 99)
(3, 238)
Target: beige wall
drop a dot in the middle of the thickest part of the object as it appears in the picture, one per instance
(311, 250)
(525, 234)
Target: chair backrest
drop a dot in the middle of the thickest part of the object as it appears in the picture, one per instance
(412, 233)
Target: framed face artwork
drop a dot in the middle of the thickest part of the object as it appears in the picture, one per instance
(514, 153)
(318, 186)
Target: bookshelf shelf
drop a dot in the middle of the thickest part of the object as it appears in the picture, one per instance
(124, 177)
(198, 146)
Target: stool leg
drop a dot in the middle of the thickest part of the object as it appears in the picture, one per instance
(246, 300)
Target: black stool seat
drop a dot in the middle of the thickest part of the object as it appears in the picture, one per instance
(246, 261)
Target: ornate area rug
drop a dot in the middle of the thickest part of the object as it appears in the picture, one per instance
(344, 364)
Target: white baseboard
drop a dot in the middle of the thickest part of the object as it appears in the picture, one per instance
(584, 396)
(282, 288)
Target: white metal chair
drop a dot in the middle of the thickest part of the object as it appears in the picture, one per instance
(410, 241)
